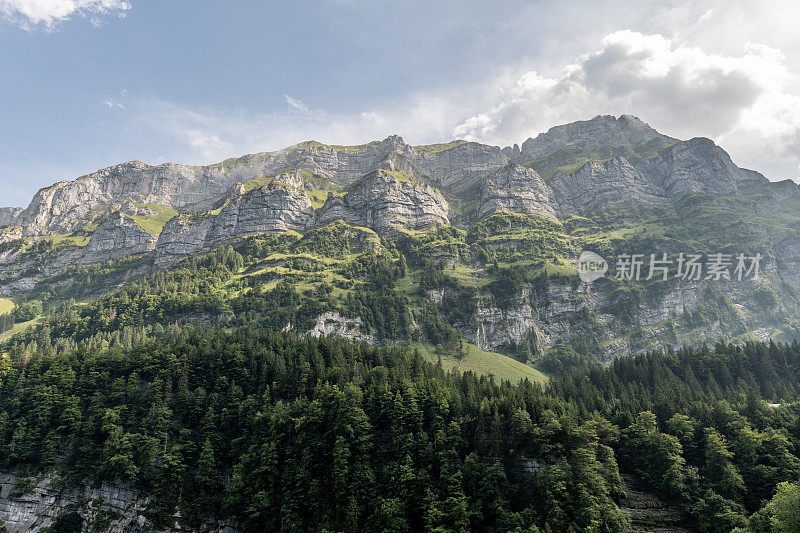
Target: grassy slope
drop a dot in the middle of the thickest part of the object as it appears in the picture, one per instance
(484, 363)
(6, 305)
(153, 224)
(21, 327)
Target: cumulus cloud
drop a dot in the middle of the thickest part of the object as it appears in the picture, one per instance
(743, 101)
(48, 13)
(684, 90)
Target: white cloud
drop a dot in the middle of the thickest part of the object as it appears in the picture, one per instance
(743, 101)
(747, 100)
(208, 135)
(48, 13)
(113, 104)
(294, 103)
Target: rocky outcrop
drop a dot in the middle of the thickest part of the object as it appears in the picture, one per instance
(460, 165)
(518, 189)
(183, 235)
(9, 215)
(697, 166)
(455, 168)
(603, 186)
(118, 236)
(332, 323)
(600, 132)
(386, 200)
(34, 504)
(272, 208)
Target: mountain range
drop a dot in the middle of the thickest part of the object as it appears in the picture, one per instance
(496, 222)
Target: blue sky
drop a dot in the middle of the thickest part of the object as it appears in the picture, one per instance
(89, 83)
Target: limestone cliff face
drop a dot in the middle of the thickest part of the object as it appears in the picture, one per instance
(114, 508)
(697, 166)
(118, 236)
(595, 166)
(518, 189)
(332, 323)
(385, 200)
(599, 132)
(9, 215)
(461, 166)
(67, 205)
(275, 208)
(455, 169)
(382, 185)
(603, 185)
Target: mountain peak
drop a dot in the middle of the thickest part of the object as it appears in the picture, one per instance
(598, 132)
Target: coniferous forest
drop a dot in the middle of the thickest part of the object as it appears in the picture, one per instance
(195, 397)
(275, 432)
(398, 267)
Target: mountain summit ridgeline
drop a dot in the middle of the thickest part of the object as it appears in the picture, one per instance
(503, 228)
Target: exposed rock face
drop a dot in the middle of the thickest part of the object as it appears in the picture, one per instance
(272, 208)
(588, 167)
(549, 317)
(384, 200)
(48, 499)
(599, 132)
(183, 235)
(9, 215)
(458, 168)
(697, 166)
(66, 205)
(118, 236)
(608, 185)
(455, 168)
(275, 207)
(383, 185)
(518, 189)
(332, 323)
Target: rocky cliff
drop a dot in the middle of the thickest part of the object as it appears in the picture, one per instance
(37, 504)
(604, 183)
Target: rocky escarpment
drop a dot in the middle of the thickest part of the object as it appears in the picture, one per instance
(600, 132)
(603, 185)
(697, 166)
(275, 207)
(332, 323)
(36, 504)
(68, 205)
(663, 167)
(606, 165)
(386, 200)
(518, 189)
(601, 164)
(118, 236)
(9, 215)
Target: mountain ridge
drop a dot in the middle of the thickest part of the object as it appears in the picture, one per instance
(480, 210)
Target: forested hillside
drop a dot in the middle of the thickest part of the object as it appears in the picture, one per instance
(395, 338)
(274, 432)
